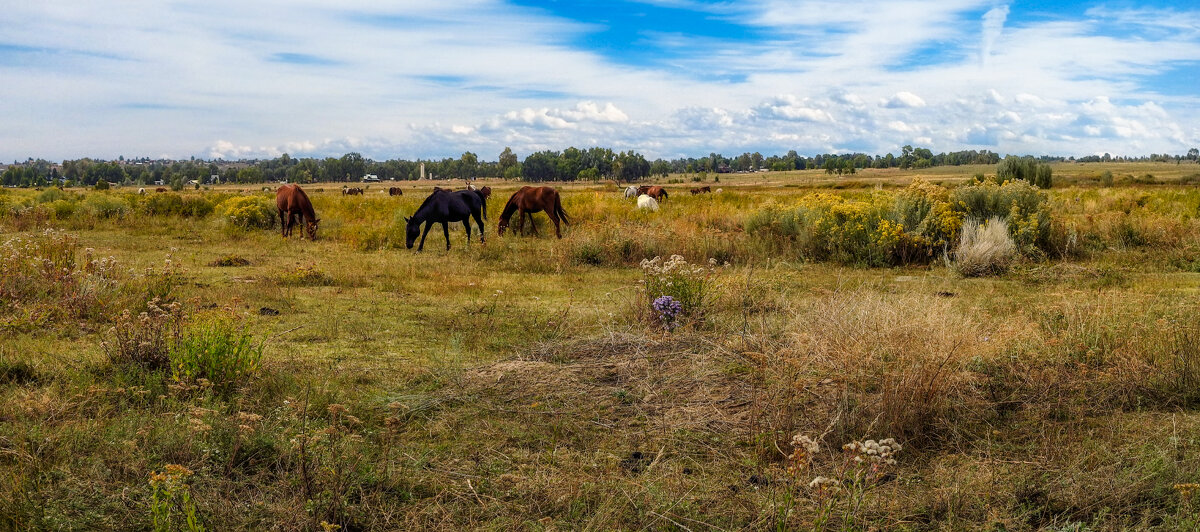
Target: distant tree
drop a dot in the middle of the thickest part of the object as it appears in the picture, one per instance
(508, 160)
(468, 165)
(540, 166)
(660, 168)
(1193, 154)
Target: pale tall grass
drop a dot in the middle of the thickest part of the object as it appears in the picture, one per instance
(984, 248)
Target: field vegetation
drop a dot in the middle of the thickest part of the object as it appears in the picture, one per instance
(889, 350)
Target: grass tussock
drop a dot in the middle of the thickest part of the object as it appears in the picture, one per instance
(984, 248)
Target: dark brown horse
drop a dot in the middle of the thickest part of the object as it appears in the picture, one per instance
(293, 205)
(702, 190)
(654, 191)
(529, 200)
(395, 191)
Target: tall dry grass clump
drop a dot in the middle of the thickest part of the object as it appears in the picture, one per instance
(984, 248)
(897, 363)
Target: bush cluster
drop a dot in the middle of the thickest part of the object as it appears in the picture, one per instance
(247, 212)
(915, 225)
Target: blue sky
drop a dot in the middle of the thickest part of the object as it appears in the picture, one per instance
(667, 78)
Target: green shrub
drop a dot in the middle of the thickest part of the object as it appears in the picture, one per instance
(198, 207)
(168, 204)
(101, 185)
(104, 206)
(216, 348)
(1024, 169)
(1106, 178)
(247, 212)
(51, 194)
(63, 209)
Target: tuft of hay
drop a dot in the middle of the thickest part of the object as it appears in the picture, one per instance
(985, 249)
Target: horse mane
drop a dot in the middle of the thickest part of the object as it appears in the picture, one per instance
(429, 199)
(510, 207)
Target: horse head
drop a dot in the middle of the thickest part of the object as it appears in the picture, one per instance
(412, 230)
(311, 225)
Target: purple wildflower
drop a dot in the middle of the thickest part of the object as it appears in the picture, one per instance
(668, 310)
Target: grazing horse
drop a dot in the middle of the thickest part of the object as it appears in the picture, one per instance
(529, 200)
(701, 190)
(645, 202)
(444, 206)
(395, 191)
(655, 191)
(294, 206)
(631, 192)
(352, 191)
(142, 191)
(160, 190)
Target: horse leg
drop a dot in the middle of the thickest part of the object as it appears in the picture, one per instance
(521, 221)
(467, 226)
(428, 225)
(283, 224)
(554, 218)
(479, 222)
(446, 231)
(533, 225)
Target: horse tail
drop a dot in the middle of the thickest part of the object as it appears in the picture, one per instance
(559, 210)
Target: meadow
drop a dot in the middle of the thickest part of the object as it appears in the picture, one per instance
(169, 362)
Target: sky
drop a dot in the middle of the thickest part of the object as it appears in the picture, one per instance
(665, 78)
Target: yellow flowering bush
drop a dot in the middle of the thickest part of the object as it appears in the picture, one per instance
(248, 212)
(881, 229)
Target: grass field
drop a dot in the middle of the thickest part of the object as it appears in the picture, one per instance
(528, 383)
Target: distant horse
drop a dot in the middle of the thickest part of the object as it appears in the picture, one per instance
(293, 205)
(655, 191)
(529, 200)
(631, 192)
(160, 190)
(395, 191)
(352, 191)
(444, 206)
(142, 191)
(701, 190)
(645, 202)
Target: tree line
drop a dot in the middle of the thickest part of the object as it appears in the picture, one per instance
(571, 164)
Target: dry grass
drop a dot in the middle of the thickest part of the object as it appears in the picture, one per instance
(517, 385)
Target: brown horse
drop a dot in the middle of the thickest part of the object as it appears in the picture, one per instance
(294, 206)
(529, 200)
(395, 191)
(701, 190)
(352, 191)
(654, 191)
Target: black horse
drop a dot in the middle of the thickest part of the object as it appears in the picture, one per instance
(444, 206)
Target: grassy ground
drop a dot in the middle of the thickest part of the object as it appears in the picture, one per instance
(524, 383)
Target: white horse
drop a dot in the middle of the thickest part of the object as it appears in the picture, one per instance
(142, 191)
(646, 202)
(631, 192)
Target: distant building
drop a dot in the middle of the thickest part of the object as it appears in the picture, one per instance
(370, 178)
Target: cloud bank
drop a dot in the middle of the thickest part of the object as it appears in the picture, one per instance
(434, 79)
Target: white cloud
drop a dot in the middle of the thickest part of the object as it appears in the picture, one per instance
(902, 99)
(993, 25)
(432, 79)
